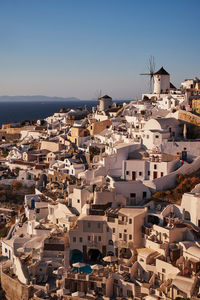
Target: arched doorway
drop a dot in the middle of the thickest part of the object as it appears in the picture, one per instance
(76, 256)
(94, 255)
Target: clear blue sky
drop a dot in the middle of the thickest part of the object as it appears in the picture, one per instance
(75, 47)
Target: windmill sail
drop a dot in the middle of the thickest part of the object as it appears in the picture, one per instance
(151, 67)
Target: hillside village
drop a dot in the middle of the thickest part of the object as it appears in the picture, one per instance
(111, 199)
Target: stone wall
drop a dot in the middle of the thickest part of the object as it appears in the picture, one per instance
(14, 289)
(188, 117)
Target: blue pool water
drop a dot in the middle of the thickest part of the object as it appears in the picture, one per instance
(86, 269)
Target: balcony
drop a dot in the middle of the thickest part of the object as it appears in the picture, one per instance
(93, 244)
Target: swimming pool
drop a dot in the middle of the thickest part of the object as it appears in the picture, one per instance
(86, 269)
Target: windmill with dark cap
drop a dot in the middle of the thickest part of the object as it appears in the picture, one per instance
(160, 80)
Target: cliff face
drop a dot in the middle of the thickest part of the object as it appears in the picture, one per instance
(14, 290)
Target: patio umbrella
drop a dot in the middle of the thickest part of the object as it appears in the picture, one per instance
(110, 258)
(78, 265)
(97, 267)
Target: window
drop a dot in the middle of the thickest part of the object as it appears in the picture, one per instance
(140, 173)
(88, 237)
(149, 173)
(99, 238)
(74, 239)
(89, 224)
(120, 235)
(81, 239)
(157, 136)
(107, 229)
(144, 195)
(147, 136)
(127, 172)
(125, 230)
(129, 294)
(163, 270)
(130, 221)
(161, 174)
(132, 195)
(78, 201)
(113, 230)
(155, 167)
(37, 211)
(130, 236)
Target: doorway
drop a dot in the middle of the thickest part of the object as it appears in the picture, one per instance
(133, 175)
(155, 174)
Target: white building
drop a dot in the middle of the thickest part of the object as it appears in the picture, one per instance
(78, 198)
(190, 207)
(149, 168)
(167, 103)
(61, 215)
(155, 131)
(134, 191)
(105, 103)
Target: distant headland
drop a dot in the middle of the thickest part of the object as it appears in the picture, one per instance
(38, 98)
